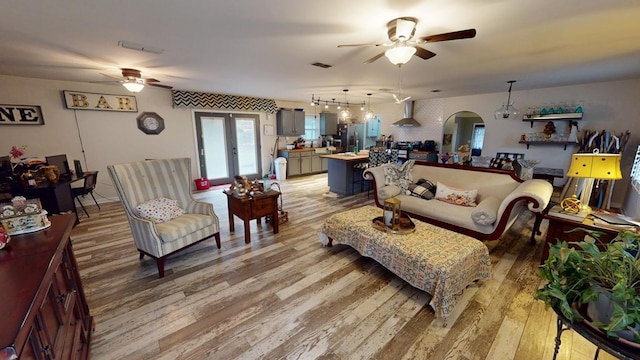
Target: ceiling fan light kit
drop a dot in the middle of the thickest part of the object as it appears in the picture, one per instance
(401, 32)
(507, 111)
(400, 55)
(134, 85)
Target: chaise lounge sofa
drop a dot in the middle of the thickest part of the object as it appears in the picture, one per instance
(439, 194)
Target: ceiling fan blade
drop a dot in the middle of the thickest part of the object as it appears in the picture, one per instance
(119, 78)
(356, 45)
(374, 58)
(424, 54)
(455, 35)
(161, 86)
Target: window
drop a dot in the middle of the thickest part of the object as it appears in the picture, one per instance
(311, 128)
(635, 171)
(477, 139)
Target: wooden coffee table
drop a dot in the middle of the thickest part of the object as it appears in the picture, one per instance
(248, 208)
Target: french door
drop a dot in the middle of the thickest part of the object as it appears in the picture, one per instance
(228, 145)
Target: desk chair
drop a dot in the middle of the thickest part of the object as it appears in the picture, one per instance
(90, 181)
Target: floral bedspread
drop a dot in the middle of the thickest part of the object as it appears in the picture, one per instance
(436, 260)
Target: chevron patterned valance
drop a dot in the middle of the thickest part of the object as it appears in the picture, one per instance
(201, 100)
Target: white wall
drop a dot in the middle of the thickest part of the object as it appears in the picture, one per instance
(112, 137)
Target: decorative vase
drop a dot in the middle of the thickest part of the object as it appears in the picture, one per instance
(601, 310)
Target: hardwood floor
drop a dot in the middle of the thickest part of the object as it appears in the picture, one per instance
(284, 296)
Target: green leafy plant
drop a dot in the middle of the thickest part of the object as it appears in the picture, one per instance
(573, 272)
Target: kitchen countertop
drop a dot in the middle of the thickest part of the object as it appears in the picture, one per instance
(347, 157)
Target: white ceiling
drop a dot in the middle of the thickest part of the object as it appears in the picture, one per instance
(266, 48)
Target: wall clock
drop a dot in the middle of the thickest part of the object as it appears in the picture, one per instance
(150, 123)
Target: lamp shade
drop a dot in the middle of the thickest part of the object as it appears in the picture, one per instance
(133, 85)
(400, 55)
(595, 166)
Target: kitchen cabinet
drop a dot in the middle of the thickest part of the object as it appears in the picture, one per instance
(328, 123)
(316, 163)
(373, 127)
(303, 162)
(46, 315)
(290, 122)
(538, 139)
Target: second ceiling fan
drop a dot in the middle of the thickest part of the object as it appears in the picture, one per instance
(401, 33)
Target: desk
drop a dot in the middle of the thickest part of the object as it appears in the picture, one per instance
(248, 208)
(55, 198)
(611, 346)
(547, 173)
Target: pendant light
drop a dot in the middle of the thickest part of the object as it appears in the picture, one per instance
(345, 114)
(369, 114)
(507, 111)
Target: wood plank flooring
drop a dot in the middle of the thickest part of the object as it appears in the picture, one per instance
(284, 296)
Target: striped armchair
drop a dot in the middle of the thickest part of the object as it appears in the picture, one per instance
(139, 182)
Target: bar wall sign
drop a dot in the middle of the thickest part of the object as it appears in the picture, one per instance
(21, 115)
(80, 100)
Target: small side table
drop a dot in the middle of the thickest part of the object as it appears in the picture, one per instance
(558, 228)
(248, 208)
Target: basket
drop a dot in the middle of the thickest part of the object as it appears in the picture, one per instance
(283, 216)
(202, 184)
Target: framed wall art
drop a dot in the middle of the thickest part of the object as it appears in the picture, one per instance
(21, 115)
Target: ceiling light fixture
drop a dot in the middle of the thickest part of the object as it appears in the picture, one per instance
(400, 55)
(134, 85)
(316, 101)
(369, 114)
(507, 111)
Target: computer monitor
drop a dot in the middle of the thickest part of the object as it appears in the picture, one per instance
(61, 162)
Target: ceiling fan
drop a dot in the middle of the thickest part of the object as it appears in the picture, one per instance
(401, 33)
(132, 79)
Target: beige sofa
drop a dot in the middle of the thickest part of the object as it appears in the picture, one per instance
(500, 196)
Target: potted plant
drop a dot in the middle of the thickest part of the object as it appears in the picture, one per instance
(588, 275)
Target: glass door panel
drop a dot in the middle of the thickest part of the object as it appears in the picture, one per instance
(247, 146)
(214, 144)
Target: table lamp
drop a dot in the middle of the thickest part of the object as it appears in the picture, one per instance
(591, 166)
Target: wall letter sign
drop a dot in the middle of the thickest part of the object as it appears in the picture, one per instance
(89, 101)
(21, 115)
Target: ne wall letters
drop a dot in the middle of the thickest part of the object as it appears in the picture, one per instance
(21, 115)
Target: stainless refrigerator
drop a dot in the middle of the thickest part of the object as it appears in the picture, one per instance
(351, 135)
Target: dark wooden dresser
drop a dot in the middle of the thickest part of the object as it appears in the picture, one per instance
(43, 310)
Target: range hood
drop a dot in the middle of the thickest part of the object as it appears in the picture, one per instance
(408, 119)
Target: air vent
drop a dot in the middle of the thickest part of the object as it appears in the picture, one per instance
(139, 47)
(319, 64)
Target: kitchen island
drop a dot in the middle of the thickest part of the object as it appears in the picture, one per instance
(341, 172)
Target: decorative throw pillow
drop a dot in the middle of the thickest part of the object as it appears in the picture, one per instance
(423, 189)
(159, 210)
(501, 163)
(486, 213)
(399, 175)
(456, 196)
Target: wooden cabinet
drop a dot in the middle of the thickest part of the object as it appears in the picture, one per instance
(328, 123)
(373, 127)
(316, 163)
(44, 313)
(305, 162)
(290, 122)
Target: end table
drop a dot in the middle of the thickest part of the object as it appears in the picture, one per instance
(248, 208)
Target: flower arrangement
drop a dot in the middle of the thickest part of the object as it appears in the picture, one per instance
(17, 152)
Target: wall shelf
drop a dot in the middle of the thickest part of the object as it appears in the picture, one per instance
(565, 143)
(551, 117)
